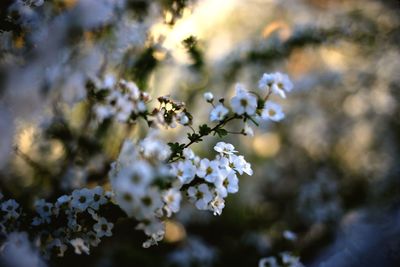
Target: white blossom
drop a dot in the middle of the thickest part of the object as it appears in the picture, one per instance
(208, 96)
(282, 84)
(243, 102)
(208, 170)
(240, 165)
(103, 227)
(200, 195)
(98, 198)
(217, 205)
(224, 148)
(81, 199)
(272, 111)
(218, 113)
(266, 82)
(172, 199)
(184, 171)
(227, 184)
(247, 130)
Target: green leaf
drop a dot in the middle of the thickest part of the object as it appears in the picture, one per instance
(221, 132)
(204, 129)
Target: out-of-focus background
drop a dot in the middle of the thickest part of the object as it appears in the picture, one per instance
(327, 178)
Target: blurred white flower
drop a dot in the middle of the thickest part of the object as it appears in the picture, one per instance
(172, 199)
(272, 111)
(266, 82)
(224, 148)
(10, 208)
(282, 84)
(247, 130)
(218, 113)
(184, 171)
(208, 96)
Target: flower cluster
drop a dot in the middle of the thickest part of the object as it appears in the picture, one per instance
(134, 177)
(72, 219)
(253, 106)
(214, 178)
(123, 100)
(137, 174)
(170, 112)
(150, 178)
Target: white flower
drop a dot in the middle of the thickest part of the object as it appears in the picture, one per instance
(282, 84)
(200, 195)
(184, 171)
(217, 205)
(81, 199)
(63, 201)
(133, 90)
(188, 153)
(125, 196)
(208, 96)
(247, 130)
(243, 102)
(10, 208)
(218, 113)
(128, 153)
(228, 184)
(240, 165)
(153, 148)
(139, 174)
(149, 203)
(80, 246)
(103, 227)
(224, 148)
(172, 199)
(98, 198)
(224, 165)
(152, 227)
(272, 111)
(266, 82)
(44, 209)
(209, 170)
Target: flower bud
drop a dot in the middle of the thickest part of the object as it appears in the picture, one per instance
(209, 97)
